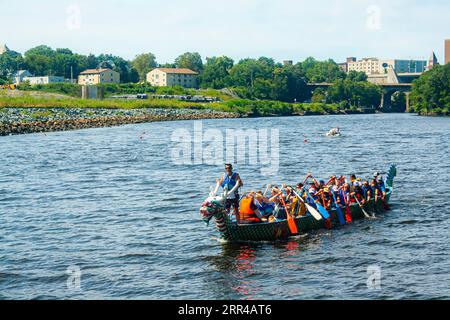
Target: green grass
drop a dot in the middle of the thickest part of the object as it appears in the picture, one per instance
(74, 90)
(251, 108)
(28, 101)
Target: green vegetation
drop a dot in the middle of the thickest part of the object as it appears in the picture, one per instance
(250, 79)
(431, 92)
(143, 64)
(29, 101)
(254, 87)
(190, 60)
(248, 108)
(72, 90)
(354, 93)
(254, 108)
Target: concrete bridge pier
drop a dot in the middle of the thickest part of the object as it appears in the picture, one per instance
(386, 98)
(407, 101)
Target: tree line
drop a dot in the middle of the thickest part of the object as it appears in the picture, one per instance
(431, 92)
(257, 79)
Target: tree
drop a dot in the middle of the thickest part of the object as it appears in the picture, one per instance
(40, 60)
(431, 92)
(143, 64)
(64, 62)
(360, 94)
(120, 65)
(10, 62)
(246, 71)
(291, 84)
(319, 95)
(322, 71)
(357, 76)
(216, 73)
(190, 60)
(167, 65)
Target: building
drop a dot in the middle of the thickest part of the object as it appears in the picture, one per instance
(432, 62)
(447, 51)
(405, 66)
(98, 76)
(344, 65)
(20, 75)
(3, 48)
(366, 65)
(168, 77)
(43, 80)
(288, 63)
(371, 66)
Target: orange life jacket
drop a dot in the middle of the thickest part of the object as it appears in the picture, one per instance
(246, 211)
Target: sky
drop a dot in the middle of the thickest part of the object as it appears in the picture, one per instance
(281, 29)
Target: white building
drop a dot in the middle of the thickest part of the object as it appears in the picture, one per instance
(20, 75)
(43, 80)
(374, 66)
(168, 77)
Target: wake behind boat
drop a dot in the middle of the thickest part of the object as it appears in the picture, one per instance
(302, 216)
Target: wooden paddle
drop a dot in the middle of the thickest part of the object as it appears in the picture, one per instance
(291, 221)
(364, 211)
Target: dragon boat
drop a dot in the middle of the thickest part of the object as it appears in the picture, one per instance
(230, 231)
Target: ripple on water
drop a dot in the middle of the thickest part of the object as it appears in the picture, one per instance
(123, 212)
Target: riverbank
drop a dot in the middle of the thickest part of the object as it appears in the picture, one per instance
(33, 120)
(31, 112)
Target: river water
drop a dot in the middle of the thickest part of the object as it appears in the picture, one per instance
(107, 214)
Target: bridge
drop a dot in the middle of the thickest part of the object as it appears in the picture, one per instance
(390, 81)
(386, 97)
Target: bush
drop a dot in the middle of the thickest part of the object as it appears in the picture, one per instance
(431, 92)
(69, 89)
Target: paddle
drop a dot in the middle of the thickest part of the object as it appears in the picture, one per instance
(291, 221)
(321, 209)
(364, 211)
(340, 214)
(310, 209)
(267, 189)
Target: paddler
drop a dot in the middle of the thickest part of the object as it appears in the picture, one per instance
(276, 195)
(367, 190)
(248, 212)
(264, 206)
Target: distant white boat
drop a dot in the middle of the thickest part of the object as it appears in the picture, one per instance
(335, 132)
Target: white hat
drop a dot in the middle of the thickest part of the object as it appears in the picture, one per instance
(376, 174)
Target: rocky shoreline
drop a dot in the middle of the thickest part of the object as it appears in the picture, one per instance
(14, 121)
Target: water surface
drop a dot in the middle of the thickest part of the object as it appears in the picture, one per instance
(111, 202)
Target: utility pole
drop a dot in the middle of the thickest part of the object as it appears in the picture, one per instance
(71, 74)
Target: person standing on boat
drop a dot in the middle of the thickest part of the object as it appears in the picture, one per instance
(232, 182)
